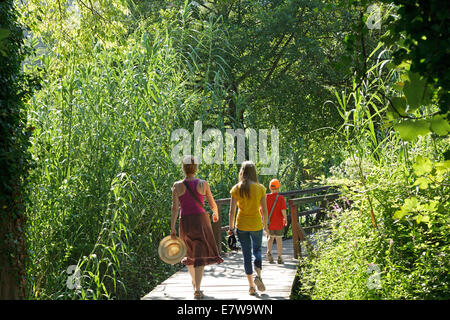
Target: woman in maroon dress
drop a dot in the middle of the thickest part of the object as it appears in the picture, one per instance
(195, 227)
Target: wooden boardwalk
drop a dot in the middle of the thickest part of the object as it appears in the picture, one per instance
(227, 281)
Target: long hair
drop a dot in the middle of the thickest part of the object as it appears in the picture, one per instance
(247, 174)
(190, 165)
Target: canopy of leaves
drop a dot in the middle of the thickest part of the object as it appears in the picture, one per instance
(423, 37)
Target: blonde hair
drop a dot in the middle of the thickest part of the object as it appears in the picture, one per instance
(190, 165)
(247, 174)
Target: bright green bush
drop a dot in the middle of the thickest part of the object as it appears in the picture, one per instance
(410, 254)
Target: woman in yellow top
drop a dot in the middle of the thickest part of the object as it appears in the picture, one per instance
(249, 195)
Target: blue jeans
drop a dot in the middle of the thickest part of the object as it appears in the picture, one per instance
(250, 240)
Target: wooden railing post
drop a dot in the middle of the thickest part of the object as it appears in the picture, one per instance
(217, 230)
(295, 230)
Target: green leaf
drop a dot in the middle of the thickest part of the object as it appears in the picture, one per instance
(411, 129)
(399, 103)
(411, 204)
(442, 167)
(390, 38)
(420, 218)
(422, 182)
(431, 206)
(399, 214)
(440, 125)
(4, 33)
(422, 166)
(398, 86)
(414, 91)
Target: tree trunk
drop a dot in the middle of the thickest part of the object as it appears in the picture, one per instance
(13, 158)
(12, 248)
(9, 280)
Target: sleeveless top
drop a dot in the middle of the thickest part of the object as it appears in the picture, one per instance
(188, 203)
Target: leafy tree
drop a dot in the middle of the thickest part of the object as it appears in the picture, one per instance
(422, 36)
(416, 33)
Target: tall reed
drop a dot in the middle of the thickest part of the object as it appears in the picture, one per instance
(100, 188)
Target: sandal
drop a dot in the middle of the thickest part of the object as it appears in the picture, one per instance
(259, 283)
(270, 257)
(280, 260)
(252, 291)
(198, 295)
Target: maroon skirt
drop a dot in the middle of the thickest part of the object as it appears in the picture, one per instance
(196, 232)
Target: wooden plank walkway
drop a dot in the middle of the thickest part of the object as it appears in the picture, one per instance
(227, 281)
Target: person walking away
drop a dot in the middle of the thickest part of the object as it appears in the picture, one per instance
(276, 205)
(195, 226)
(248, 195)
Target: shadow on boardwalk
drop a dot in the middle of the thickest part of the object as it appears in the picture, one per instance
(227, 281)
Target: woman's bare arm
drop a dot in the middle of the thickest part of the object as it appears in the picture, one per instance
(211, 202)
(175, 210)
(233, 203)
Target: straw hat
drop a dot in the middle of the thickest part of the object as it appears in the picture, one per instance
(171, 250)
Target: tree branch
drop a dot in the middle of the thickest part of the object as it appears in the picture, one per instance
(94, 12)
(280, 53)
(277, 59)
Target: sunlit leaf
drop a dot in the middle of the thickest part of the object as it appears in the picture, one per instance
(411, 204)
(399, 214)
(440, 125)
(442, 167)
(422, 182)
(422, 166)
(422, 218)
(414, 90)
(411, 129)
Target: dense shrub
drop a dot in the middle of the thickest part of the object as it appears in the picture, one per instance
(403, 258)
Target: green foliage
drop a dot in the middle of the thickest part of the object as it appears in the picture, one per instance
(14, 139)
(409, 248)
(414, 32)
(115, 78)
(14, 158)
(100, 192)
(421, 34)
(393, 242)
(409, 110)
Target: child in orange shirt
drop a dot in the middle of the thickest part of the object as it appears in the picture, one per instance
(277, 219)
